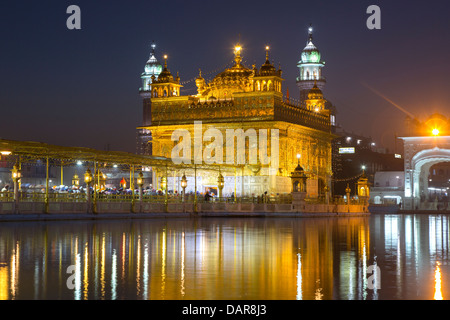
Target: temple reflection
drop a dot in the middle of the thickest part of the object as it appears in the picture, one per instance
(302, 259)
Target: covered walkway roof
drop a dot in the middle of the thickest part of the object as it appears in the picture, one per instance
(30, 151)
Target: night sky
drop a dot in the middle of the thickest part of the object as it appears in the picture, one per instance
(80, 87)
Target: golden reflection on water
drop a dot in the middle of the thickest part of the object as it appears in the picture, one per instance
(438, 283)
(225, 259)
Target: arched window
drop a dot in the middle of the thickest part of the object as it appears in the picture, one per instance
(264, 86)
(269, 86)
(307, 75)
(258, 86)
(155, 93)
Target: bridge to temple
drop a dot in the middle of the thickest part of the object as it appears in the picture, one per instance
(20, 152)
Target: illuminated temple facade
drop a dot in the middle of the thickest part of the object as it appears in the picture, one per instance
(242, 97)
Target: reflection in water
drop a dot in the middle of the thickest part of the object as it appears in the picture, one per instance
(325, 258)
(299, 277)
(438, 282)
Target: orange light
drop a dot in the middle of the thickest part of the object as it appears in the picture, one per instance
(435, 132)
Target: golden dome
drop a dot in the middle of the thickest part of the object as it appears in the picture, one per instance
(234, 79)
(165, 75)
(267, 68)
(315, 92)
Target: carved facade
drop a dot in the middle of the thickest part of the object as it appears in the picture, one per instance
(248, 99)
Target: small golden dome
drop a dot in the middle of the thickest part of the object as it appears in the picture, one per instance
(315, 92)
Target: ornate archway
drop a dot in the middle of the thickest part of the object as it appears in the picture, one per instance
(420, 154)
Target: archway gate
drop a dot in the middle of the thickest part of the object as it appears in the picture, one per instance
(420, 153)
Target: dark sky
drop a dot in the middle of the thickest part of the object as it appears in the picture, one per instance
(80, 87)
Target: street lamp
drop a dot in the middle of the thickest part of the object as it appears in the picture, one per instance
(184, 185)
(327, 198)
(140, 183)
(220, 184)
(140, 179)
(163, 183)
(88, 180)
(347, 191)
(16, 176)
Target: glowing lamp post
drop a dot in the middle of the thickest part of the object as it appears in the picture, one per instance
(140, 183)
(220, 184)
(88, 180)
(140, 179)
(326, 189)
(184, 185)
(347, 192)
(163, 184)
(16, 176)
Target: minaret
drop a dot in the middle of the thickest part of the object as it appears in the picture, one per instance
(152, 70)
(310, 68)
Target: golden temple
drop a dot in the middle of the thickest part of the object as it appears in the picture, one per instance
(242, 98)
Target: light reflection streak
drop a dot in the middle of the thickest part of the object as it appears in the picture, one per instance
(364, 267)
(4, 284)
(437, 283)
(60, 264)
(123, 255)
(102, 268)
(114, 275)
(145, 271)
(86, 272)
(299, 277)
(182, 263)
(77, 291)
(163, 263)
(13, 272)
(36, 279)
(138, 267)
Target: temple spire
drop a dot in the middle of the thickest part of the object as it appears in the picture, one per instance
(153, 46)
(237, 54)
(310, 34)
